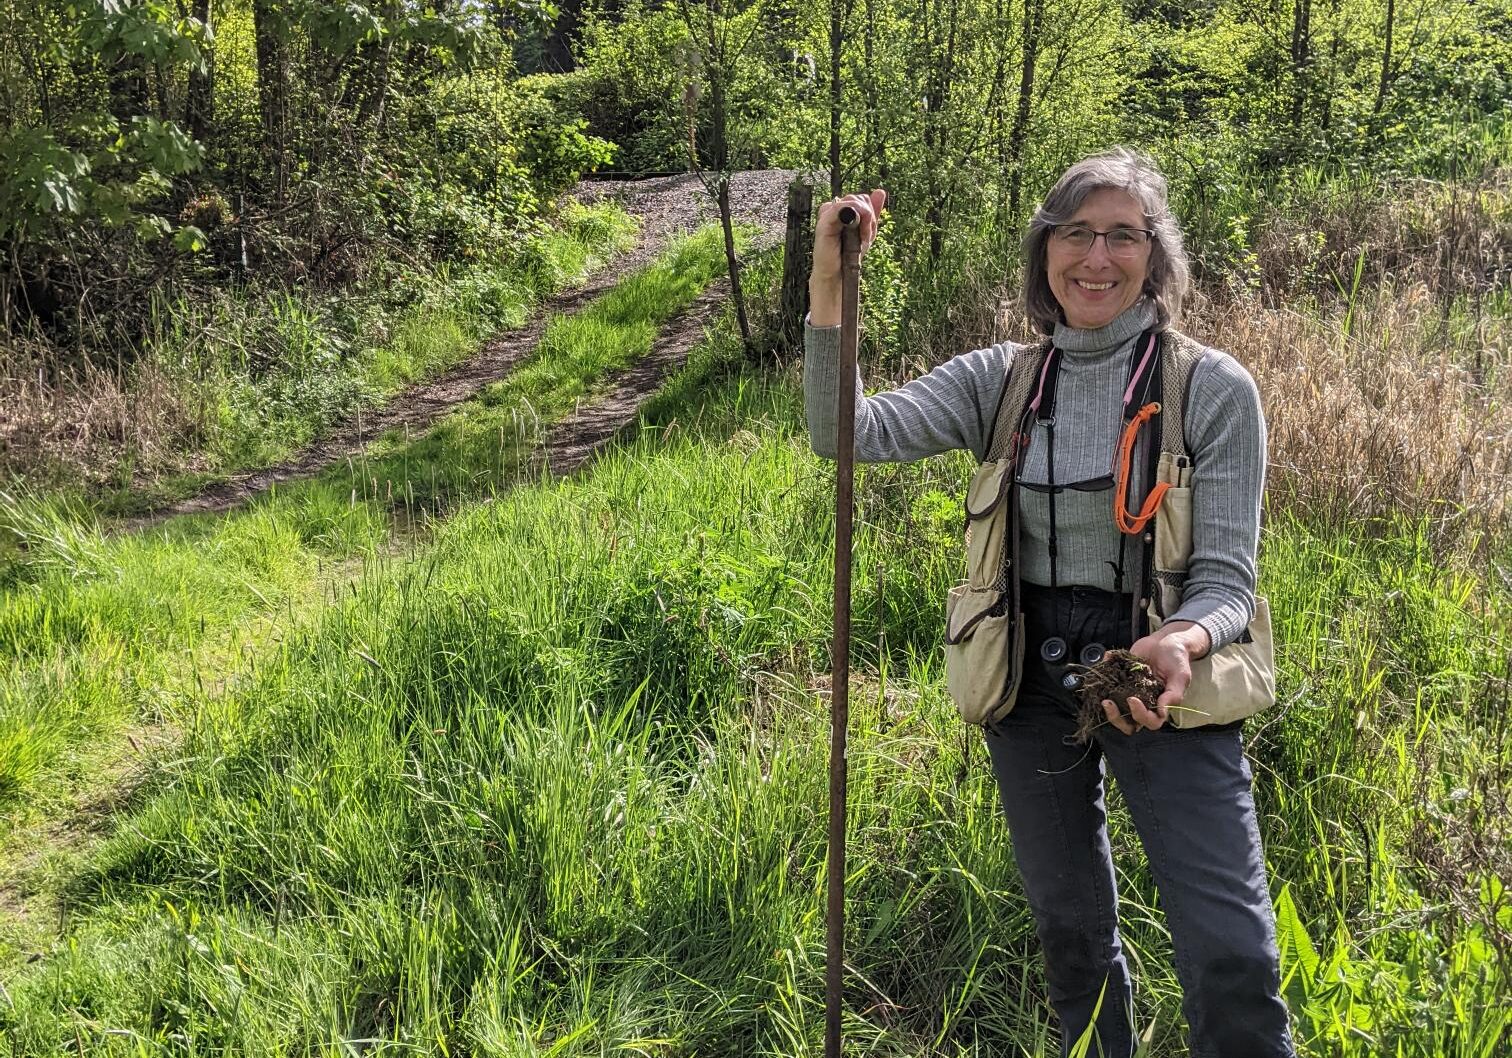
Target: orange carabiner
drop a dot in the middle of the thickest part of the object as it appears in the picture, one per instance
(1132, 523)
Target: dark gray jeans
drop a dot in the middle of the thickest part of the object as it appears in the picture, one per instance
(1189, 795)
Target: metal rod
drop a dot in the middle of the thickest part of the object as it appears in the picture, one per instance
(850, 298)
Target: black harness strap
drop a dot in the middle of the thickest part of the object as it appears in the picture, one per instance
(1139, 622)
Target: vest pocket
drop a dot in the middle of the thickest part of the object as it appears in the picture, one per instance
(1173, 532)
(1173, 547)
(1235, 681)
(982, 648)
(987, 523)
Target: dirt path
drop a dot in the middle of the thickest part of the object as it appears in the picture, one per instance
(576, 439)
(666, 206)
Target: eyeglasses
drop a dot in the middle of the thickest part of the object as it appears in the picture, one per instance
(1121, 242)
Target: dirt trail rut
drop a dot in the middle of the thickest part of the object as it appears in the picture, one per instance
(667, 207)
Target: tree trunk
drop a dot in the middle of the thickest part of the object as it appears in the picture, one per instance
(1380, 101)
(797, 262)
(721, 150)
(273, 90)
(1326, 120)
(733, 262)
(836, 29)
(1301, 57)
(130, 95)
(160, 91)
(1001, 216)
(930, 135)
(558, 57)
(876, 141)
(199, 106)
(1033, 11)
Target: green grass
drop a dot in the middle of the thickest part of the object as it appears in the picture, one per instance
(553, 784)
(556, 785)
(94, 630)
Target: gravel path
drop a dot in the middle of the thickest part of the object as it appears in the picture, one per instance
(667, 206)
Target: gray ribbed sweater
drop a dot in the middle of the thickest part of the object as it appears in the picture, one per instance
(953, 407)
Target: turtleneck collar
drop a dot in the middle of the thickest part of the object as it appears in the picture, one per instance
(1128, 324)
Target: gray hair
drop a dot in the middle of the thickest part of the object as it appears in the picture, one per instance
(1133, 172)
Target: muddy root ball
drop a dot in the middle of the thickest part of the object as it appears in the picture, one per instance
(1119, 676)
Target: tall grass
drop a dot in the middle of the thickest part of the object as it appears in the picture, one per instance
(91, 627)
(229, 380)
(93, 634)
(556, 787)
(1374, 413)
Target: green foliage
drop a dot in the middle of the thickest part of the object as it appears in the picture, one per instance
(113, 177)
(150, 31)
(932, 102)
(342, 133)
(635, 72)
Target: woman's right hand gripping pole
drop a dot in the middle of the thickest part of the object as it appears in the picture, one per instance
(824, 280)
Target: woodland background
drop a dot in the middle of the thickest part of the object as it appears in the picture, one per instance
(204, 208)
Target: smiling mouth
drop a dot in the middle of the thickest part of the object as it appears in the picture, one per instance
(1094, 286)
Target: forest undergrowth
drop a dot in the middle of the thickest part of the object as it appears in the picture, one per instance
(552, 783)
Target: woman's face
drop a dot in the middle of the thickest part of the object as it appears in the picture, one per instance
(1094, 286)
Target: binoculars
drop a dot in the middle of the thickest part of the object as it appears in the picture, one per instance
(1055, 650)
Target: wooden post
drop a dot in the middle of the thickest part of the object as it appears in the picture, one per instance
(797, 260)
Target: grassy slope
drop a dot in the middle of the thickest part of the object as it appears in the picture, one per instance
(98, 633)
(556, 786)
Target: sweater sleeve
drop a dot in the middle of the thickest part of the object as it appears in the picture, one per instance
(950, 407)
(1225, 430)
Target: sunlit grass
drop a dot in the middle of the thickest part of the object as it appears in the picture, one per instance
(81, 603)
(557, 786)
(554, 784)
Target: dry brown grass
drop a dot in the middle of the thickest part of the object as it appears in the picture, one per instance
(1379, 337)
(1453, 239)
(1390, 417)
(85, 426)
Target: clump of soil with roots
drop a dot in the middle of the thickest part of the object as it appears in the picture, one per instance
(1119, 676)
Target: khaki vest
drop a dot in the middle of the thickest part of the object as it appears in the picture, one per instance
(984, 627)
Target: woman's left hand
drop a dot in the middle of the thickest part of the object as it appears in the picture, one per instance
(1170, 651)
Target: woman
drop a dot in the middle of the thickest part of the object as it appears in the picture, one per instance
(1104, 265)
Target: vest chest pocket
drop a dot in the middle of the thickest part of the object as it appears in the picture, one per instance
(987, 523)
